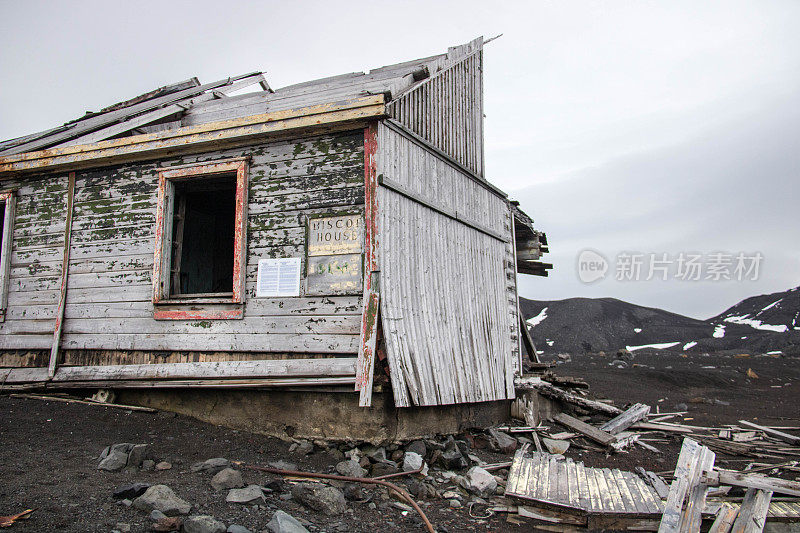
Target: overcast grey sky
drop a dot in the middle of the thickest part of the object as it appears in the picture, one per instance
(660, 127)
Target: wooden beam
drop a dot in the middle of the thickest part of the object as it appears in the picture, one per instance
(791, 439)
(6, 244)
(550, 391)
(442, 210)
(526, 338)
(277, 368)
(622, 422)
(196, 138)
(753, 481)
(157, 114)
(258, 383)
(606, 439)
(367, 344)
(753, 512)
(62, 301)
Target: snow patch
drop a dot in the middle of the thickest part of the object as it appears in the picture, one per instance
(549, 342)
(773, 304)
(659, 346)
(776, 352)
(755, 324)
(535, 321)
(689, 345)
(719, 331)
(637, 330)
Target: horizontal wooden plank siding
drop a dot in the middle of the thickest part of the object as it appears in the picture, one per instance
(444, 288)
(109, 297)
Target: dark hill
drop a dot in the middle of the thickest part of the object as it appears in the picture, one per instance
(580, 325)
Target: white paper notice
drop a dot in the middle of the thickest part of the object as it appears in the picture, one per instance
(278, 277)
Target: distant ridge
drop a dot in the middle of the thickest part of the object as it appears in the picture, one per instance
(760, 324)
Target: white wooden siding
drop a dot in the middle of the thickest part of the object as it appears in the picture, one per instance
(444, 286)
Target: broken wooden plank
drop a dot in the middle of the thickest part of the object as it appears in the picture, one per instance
(89, 402)
(585, 429)
(622, 422)
(754, 481)
(661, 426)
(551, 391)
(791, 439)
(692, 515)
(753, 512)
(724, 520)
(62, 302)
(654, 480)
(687, 461)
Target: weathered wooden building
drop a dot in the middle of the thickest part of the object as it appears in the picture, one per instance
(333, 235)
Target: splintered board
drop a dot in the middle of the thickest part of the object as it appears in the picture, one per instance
(559, 482)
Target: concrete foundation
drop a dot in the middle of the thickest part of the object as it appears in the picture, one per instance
(322, 414)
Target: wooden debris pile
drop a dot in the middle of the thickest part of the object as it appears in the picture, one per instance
(557, 492)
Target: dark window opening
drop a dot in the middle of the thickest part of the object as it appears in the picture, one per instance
(204, 213)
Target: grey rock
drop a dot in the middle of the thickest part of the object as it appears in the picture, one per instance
(285, 523)
(227, 478)
(156, 515)
(625, 354)
(504, 442)
(130, 491)
(125, 502)
(452, 459)
(122, 447)
(203, 524)
(104, 453)
(354, 492)
(350, 468)
(236, 528)
(619, 363)
(412, 461)
(375, 454)
(148, 464)
(114, 461)
(162, 497)
(455, 504)
(480, 482)
(249, 494)
(283, 465)
(322, 498)
(163, 465)
(384, 468)
(681, 407)
(211, 465)
(304, 447)
(138, 454)
(558, 447)
(417, 447)
(122, 527)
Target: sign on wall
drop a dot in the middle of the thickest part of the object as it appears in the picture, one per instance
(278, 277)
(335, 260)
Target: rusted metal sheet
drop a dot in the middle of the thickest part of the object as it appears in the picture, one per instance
(447, 108)
(62, 301)
(444, 298)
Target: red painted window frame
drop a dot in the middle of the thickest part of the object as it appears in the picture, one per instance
(200, 308)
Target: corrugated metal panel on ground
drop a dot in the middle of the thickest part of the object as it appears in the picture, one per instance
(444, 300)
(557, 481)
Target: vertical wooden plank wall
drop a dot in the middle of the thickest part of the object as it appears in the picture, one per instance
(444, 288)
(447, 109)
(108, 305)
